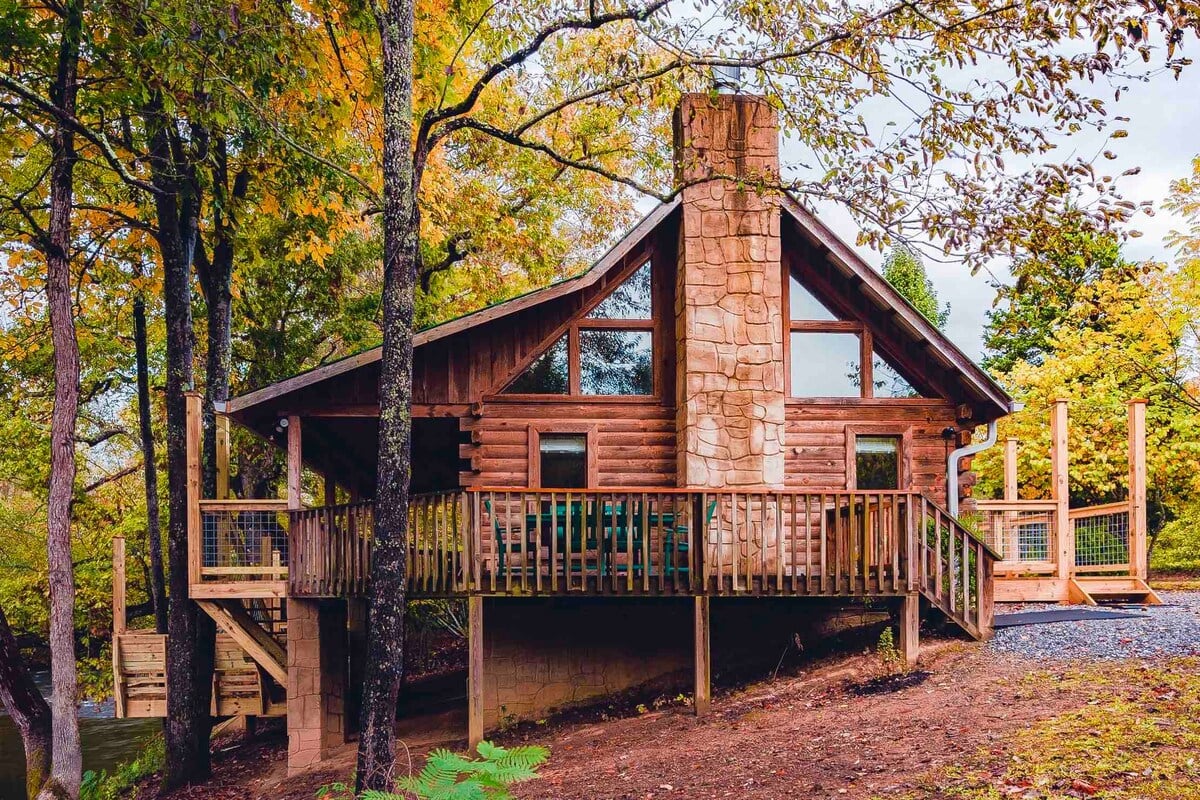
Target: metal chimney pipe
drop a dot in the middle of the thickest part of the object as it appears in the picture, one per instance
(727, 79)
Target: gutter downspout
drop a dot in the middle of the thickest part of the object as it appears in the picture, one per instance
(961, 453)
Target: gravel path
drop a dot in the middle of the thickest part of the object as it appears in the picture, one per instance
(1172, 629)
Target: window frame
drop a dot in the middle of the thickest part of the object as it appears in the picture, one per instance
(904, 436)
(580, 321)
(866, 342)
(533, 471)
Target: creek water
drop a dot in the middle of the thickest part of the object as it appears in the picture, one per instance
(106, 741)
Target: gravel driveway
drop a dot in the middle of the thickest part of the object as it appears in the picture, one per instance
(1172, 629)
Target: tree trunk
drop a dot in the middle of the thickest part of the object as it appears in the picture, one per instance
(158, 589)
(385, 618)
(66, 765)
(26, 708)
(189, 642)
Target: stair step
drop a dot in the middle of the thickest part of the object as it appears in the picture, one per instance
(1094, 589)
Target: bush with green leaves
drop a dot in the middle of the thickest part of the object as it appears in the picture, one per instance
(103, 786)
(1176, 548)
(450, 776)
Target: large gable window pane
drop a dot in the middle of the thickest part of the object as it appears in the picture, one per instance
(826, 364)
(616, 362)
(546, 375)
(630, 300)
(888, 381)
(805, 305)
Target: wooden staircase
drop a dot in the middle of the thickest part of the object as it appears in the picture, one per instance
(235, 621)
(955, 570)
(1111, 589)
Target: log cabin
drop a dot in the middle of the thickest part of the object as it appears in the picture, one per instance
(727, 422)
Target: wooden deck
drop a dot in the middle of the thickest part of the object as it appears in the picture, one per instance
(612, 542)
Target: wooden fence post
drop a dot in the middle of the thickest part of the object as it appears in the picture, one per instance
(118, 585)
(1010, 469)
(703, 668)
(222, 431)
(1060, 489)
(295, 463)
(474, 670)
(1138, 534)
(193, 399)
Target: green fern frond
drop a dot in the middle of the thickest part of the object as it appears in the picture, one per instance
(450, 776)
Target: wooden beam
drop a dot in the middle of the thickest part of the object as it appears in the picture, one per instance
(118, 585)
(1010, 469)
(193, 399)
(295, 462)
(250, 636)
(1060, 488)
(222, 423)
(1138, 534)
(910, 628)
(474, 670)
(703, 669)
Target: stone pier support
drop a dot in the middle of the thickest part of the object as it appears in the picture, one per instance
(316, 688)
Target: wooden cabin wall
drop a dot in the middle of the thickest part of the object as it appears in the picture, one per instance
(635, 441)
(815, 440)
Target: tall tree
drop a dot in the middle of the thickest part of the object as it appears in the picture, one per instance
(26, 708)
(66, 765)
(158, 588)
(1058, 264)
(904, 270)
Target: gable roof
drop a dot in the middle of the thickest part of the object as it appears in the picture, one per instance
(870, 282)
(888, 300)
(606, 263)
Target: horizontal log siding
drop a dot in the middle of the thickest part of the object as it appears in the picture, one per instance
(815, 441)
(635, 441)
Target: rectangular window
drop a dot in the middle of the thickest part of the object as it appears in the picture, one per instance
(613, 361)
(563, 459)
(826, 364)
(877, 462)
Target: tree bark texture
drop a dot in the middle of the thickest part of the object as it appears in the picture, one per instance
(66, 765)
(189, 643)
(385, 618)
(27, 709)
(158, 588)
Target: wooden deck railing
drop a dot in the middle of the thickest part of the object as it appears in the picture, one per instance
(657, 542)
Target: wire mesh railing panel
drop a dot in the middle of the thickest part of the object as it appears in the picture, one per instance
(1021, 536)
(243, 543)
(1101, 539)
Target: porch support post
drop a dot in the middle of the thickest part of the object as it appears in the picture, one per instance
(1137, 489)
(316, 662)
(222, 430)
(910, 626)
(192, 401)
(330, 490)
(295, 462)
(1060, 490)
(474, 670)
(703, 694)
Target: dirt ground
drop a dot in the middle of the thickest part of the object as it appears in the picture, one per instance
(828, 732)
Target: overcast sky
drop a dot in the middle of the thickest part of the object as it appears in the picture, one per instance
(1164, 135)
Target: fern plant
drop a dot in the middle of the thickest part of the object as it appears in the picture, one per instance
(450, 776)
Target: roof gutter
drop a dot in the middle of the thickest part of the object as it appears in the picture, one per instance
(958, 455)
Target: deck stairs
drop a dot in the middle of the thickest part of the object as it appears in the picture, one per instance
(1112, 589)
(234, 620)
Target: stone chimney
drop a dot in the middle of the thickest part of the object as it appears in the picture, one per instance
(728, 307)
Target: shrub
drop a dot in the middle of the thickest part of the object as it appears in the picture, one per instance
(102, 786)
(1177, 546)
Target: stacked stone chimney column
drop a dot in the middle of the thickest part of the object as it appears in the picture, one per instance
(729, 324)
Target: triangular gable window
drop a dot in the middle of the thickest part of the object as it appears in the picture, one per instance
(630, 300)
(805, 305)
(548, 374)
(888, 380)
